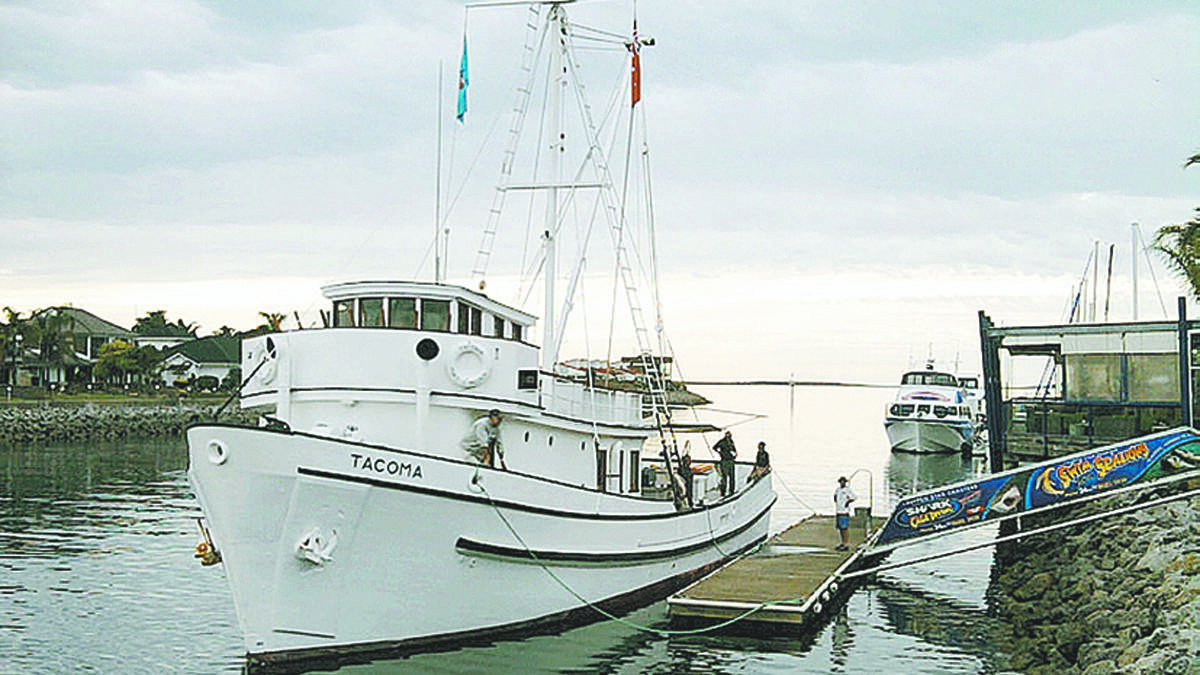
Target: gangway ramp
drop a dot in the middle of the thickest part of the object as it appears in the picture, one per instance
(1138, 464)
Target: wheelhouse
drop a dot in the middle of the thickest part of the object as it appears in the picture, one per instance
(929, 378)
(409, 305)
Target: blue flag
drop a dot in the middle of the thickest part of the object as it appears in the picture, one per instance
(463, 81)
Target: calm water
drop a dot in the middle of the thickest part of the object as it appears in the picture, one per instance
(97, 574)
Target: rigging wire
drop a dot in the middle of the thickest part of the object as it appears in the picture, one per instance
(1153, 276)
(609, 615)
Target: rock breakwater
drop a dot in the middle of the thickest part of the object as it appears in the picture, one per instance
(1119, 595)
(53, 422)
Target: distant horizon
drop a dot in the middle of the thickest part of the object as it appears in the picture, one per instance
(857, 329)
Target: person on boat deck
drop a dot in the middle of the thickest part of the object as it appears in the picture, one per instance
(685, 474)
(482, 441)
(762, 463)
(842, 497)
(727, 451)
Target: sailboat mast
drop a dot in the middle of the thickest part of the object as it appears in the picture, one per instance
(1133, 254)
(556, 23)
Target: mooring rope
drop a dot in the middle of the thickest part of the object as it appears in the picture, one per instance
(599, 610)
(776, 477)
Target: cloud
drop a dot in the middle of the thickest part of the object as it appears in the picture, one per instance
(206, 141)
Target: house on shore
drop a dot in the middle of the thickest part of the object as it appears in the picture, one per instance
(67, 348)
(214, 356)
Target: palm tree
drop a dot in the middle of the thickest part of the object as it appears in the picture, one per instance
(10, 344)
(1180, 245)
(274, 320)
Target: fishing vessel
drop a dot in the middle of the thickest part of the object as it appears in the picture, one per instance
(354, 520)
(931, 413)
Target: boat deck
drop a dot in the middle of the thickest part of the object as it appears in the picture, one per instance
(790, 582)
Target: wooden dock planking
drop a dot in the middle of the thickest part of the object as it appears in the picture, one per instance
(792, 566)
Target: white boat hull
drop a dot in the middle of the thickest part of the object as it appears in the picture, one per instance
(928, 436)
(332, 545)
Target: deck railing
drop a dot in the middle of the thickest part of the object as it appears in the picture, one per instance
(1043, 428)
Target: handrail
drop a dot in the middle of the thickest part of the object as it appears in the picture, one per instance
(870, 498)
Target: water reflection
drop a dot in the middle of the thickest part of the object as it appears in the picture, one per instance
(909, 473)
(938, 619)
(97, 574)
(95, 549)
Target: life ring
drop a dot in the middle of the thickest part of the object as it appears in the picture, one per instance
(469, 366)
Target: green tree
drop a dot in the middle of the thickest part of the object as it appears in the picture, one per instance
(50, 332)
(272, 323)
(155, 324)
(121, 361)
(116, 361)
(11, 341)
(1179, 245)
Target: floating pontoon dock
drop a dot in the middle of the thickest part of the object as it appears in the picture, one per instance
(786, 585)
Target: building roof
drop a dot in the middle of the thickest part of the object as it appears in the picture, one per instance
(83, 321)
(212, 349)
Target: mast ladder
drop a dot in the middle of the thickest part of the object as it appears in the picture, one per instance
(535, 34)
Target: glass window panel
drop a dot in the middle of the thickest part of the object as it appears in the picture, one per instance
(343, 313)
(476, 321)
(1093, 377)
(370, 312)
(435, 315)
(1153, 377)
(497, 327)
(402, 312)
(464, 318)
(516, 332)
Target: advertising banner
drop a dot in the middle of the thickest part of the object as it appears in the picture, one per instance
(1055, 481)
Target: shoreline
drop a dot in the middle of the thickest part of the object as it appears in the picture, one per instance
(25, 422)
(1121, 595)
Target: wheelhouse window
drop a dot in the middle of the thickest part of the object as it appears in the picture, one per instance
(516, 332)
(635, 461)
(343, 313)
(402, 312)
(370, 312)
(464, 318)
(435, 315)
(476, 321)
(497, 327)
(930, 379)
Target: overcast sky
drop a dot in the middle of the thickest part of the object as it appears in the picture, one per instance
(827, 173)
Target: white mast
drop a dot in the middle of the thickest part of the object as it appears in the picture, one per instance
(556, 23)
(1133, 248)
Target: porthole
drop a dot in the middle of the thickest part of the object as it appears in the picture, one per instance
(428, 349)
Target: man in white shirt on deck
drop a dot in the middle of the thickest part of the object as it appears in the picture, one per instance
(842, 498)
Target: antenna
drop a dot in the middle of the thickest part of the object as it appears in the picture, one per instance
(438, 275)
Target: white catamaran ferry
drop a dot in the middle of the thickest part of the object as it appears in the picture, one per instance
(353, 520)
(931, 413)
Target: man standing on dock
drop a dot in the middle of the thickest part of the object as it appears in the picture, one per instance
(842, 498)
(727, 451)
